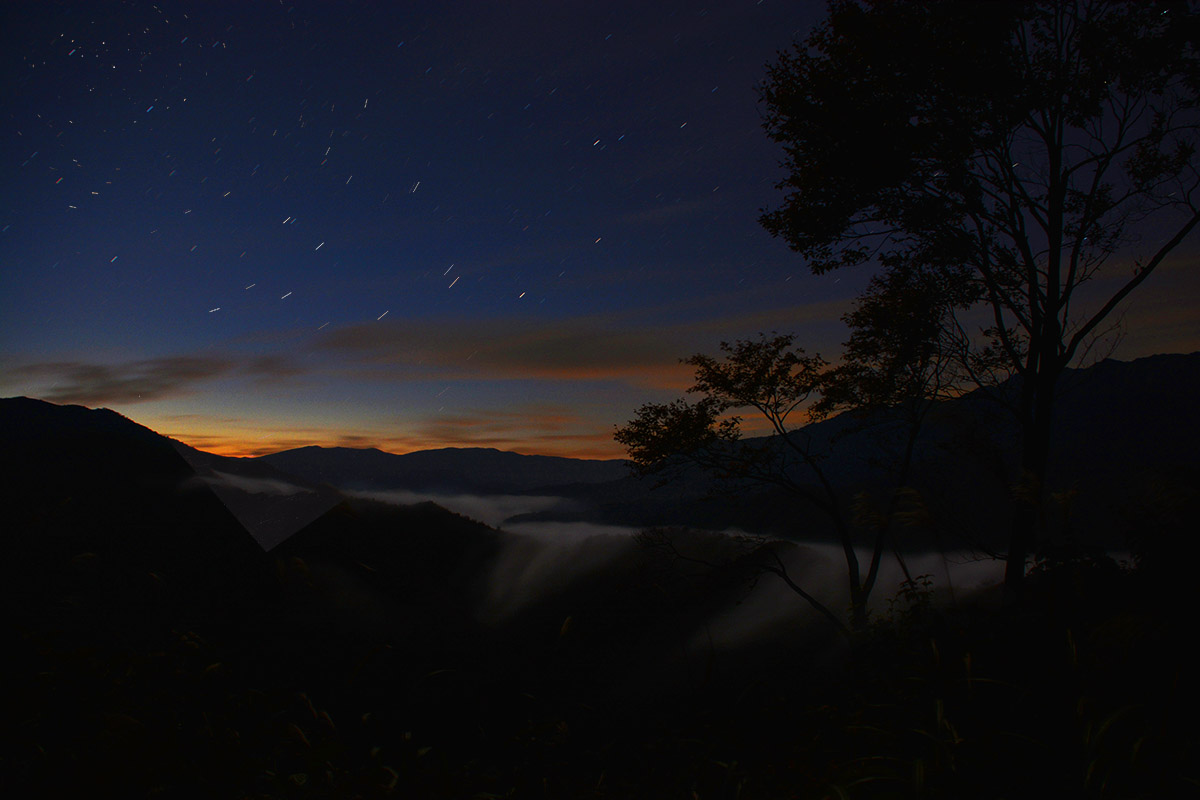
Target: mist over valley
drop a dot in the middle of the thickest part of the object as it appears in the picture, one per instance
(449, 617)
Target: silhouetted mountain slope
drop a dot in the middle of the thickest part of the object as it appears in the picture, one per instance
(90, 496)
(367, 575)
(1125, 415)
(451, 470)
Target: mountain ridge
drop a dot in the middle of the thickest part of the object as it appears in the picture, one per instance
(1119, 421)
(1120, 426)
(448, 469)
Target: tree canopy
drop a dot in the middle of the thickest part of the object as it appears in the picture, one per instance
(1029, 164)
(773, 379)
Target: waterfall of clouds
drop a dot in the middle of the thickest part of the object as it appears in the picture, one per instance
(539, 559)
(772, 608)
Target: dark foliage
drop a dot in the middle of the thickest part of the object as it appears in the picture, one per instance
(1012, 154)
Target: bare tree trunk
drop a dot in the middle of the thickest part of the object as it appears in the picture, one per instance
(1030, 491)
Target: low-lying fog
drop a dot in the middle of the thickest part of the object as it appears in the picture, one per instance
(489, 509)
(544, 557)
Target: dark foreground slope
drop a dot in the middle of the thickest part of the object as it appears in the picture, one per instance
(389, 651)
(104, 522)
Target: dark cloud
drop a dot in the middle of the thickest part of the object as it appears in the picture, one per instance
(529, 429)
(272, 368)
(551, 419)
(566, 349)
(132, 382)
(144, 380)
(594, 347)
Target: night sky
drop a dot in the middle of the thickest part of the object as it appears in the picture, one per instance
(259, 225)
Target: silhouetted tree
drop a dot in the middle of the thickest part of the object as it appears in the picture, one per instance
(1008, 153)
(900, 360)
(773, 378)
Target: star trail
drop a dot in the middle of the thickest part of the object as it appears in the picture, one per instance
(339, 210)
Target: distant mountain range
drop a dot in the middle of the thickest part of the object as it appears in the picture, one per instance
(450, 470)
(276, 495)
(1120, 426)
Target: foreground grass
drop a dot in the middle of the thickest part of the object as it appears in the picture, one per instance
(1083, 690)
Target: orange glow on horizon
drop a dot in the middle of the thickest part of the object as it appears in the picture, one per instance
(585, 446)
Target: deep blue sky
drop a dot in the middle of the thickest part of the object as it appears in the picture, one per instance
(255, 225)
